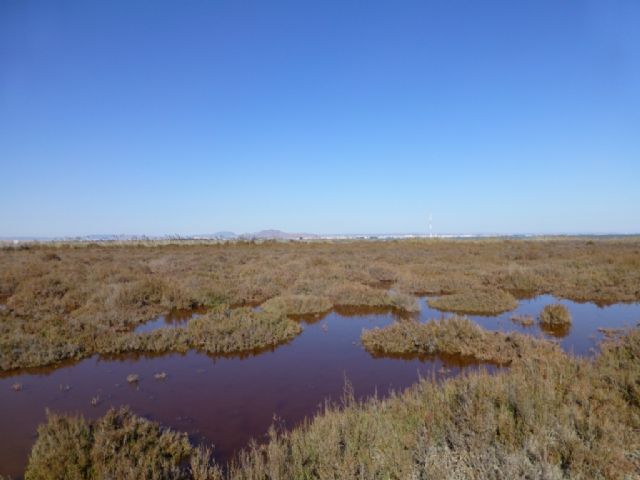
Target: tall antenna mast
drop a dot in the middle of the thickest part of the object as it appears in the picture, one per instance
(430, 222)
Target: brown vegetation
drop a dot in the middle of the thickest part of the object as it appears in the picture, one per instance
(550, 417)
(555, 315)
(480, 301)
(297, 304)
(456, 336)
(119, 445)
(68, 301)
(221, 331)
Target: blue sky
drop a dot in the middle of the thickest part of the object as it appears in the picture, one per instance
(155, 117)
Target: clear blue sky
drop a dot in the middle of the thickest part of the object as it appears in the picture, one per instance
(156, 117)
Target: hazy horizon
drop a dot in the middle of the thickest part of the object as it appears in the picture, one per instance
(276, 231)
(190, 118)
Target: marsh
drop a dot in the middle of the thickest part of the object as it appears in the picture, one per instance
(227, 398)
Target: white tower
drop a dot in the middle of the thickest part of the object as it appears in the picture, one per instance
(430, 222)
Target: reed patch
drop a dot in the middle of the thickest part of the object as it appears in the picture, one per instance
(456, 336)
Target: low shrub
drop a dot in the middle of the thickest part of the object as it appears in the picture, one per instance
(555, 315)
(457, 336)
(95, 295)
(119, 445)
(297, 304)
(480, 301)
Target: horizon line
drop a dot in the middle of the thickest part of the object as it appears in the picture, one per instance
(283, 235)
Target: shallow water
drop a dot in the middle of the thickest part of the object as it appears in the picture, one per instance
(581, 338)
(174, 319)
(228, 400)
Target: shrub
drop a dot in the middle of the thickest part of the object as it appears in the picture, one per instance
(481, 301)
(119, 445)
(297, 304)
(456, 336)
(63, 449)
(555, 315)
(240, 330)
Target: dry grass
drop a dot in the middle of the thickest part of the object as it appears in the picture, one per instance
(238, 331)
(220, 331)
(481, 302)
(68, 301)
(457, 336)
(555, 315)
(119, 445)
(297, 304)
(547, 417)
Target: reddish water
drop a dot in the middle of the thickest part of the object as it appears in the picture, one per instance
(227, 401)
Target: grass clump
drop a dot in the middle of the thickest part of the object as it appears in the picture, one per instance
(297, 304)
(555, 315)
(457, 336)
(402, 302)
(220, 331)
(119, 445)
(352, 294)
(482, 302)
(240, 330)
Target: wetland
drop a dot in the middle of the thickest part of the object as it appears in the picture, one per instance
(253, 337)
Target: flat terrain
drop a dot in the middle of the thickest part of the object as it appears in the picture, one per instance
(544, 414)
(71, 301)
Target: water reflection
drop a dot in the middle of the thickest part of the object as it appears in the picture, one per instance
(174, 319)
(581, 337)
